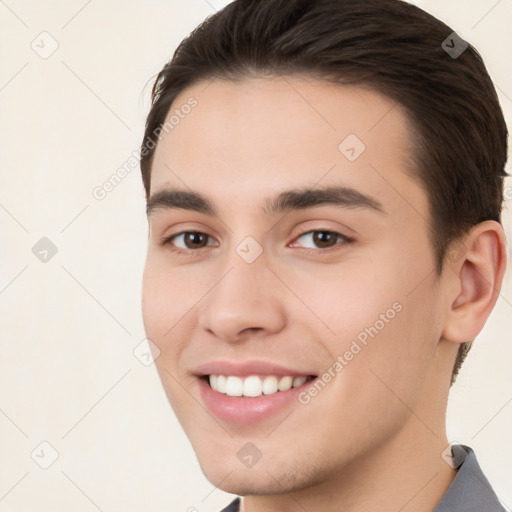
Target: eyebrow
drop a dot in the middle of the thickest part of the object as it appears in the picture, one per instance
(296, 199)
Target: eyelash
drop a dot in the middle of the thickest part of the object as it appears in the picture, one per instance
(167, 241)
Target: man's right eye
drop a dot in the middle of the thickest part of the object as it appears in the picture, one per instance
(186, 241)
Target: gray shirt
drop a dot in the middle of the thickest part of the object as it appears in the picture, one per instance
(470, 491)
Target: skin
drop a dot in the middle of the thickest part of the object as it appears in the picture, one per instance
(373, 437)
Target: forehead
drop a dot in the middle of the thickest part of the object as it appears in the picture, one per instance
(245, 139)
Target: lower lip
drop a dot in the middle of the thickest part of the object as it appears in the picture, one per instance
(247, 410)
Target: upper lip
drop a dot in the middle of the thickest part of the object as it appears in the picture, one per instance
(247, 368)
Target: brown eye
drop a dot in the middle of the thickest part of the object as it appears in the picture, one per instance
(187, 240)
(324, 239)
(321, 239)
(195, 240)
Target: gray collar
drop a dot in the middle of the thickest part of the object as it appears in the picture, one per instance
(470, 491)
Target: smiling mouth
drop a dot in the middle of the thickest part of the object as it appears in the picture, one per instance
(254, 385)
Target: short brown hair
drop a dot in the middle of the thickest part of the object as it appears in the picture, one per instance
(389, 45)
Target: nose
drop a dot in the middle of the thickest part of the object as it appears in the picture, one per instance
(247, 299)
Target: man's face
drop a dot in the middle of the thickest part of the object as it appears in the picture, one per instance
(266, 293)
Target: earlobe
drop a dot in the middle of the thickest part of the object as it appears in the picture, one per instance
(478, 274)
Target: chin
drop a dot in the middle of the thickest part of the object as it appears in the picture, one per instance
(265, 478)
(243, 483)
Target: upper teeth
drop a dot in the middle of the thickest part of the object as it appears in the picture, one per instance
(253, 385)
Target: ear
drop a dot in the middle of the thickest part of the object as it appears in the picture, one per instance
(476, 265)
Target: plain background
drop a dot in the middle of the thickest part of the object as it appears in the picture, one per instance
(69, 376)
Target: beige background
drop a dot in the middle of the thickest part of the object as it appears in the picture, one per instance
(68, 374)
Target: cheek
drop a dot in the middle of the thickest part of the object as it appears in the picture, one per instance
(347, 299)
(167, 295)
(161, 312)
(381, 314)
(154, 304)
(163, 305)
(394, 347)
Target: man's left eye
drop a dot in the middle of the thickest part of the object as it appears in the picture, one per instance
(322, 239)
